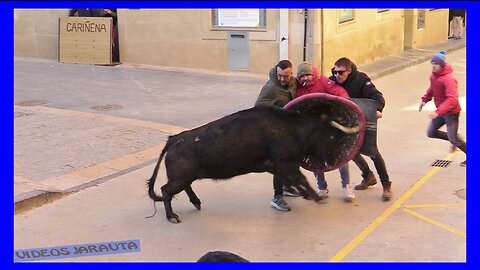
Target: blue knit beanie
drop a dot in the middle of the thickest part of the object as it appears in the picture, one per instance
(439, 58)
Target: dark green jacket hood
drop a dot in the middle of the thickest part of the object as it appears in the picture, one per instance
(273, 93)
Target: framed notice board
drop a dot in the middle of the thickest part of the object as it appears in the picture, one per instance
(85, 40)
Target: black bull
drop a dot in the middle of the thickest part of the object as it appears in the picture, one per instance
(260, 139)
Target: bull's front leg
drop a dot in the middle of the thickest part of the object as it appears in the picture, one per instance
(299, 181)
(307, 192)
(311, 194)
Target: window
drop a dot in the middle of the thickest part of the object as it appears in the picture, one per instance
(238, 18)
(421, 19)
(345, 15)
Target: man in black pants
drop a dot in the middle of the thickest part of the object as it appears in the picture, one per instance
(359, 85)
(278, 91)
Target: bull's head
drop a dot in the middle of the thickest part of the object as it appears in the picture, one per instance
(330, 145)
(341, 133)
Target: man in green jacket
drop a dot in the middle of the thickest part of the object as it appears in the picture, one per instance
(278, 91)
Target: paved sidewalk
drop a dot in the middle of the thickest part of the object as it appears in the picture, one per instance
(108, 143)
(408, 58)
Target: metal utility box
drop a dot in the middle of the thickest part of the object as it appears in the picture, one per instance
(85, 40)
(238, 51)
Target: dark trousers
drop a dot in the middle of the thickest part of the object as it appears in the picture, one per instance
(451, 120)
(277, 186)
(115, 45)
(379, 166)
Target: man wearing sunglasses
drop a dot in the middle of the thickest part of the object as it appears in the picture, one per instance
(278, 91)
(359, 85)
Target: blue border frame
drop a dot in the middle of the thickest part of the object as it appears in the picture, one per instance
(6, 17)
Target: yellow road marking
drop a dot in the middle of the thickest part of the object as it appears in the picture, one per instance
(379, 220)
(433, 205)
(436, 223)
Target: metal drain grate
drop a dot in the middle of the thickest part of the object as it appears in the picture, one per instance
(441, 163)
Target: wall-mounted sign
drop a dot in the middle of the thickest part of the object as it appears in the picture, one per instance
(85, 40)
(238, 17)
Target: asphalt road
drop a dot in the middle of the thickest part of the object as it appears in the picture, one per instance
(424, 220)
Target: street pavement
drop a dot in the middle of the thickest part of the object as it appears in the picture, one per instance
(86, 138)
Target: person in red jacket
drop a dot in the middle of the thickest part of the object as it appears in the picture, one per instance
(444, 91)
(309, 81)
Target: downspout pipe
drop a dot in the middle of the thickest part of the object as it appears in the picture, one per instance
(322, 40)
(283, 43)
(305, 16)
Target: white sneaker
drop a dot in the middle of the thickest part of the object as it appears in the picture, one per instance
(323, 193)
(348, 193)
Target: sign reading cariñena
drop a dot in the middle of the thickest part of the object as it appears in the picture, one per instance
(85, 40)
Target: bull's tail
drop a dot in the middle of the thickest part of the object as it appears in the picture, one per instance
(151, 181)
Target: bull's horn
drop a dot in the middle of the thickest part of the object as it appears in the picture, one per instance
(348, 130)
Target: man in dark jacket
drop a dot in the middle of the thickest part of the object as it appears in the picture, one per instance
(359, 85)
(278, 91)
(86, 12)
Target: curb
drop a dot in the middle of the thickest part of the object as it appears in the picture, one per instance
(405, 64)
(37, 198)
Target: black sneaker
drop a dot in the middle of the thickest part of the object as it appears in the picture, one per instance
(290, 191)
(279, 203)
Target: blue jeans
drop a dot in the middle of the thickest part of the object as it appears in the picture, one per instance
(344, 174)
(451, 120)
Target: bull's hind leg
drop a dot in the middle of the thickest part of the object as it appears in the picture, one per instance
(193, 197)
(167, 202)
(168, 191)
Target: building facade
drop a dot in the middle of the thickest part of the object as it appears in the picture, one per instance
(250, 40)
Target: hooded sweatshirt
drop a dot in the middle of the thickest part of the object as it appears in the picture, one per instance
(321, 85)
(274, 94)
(444, 90)
(359, 85)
